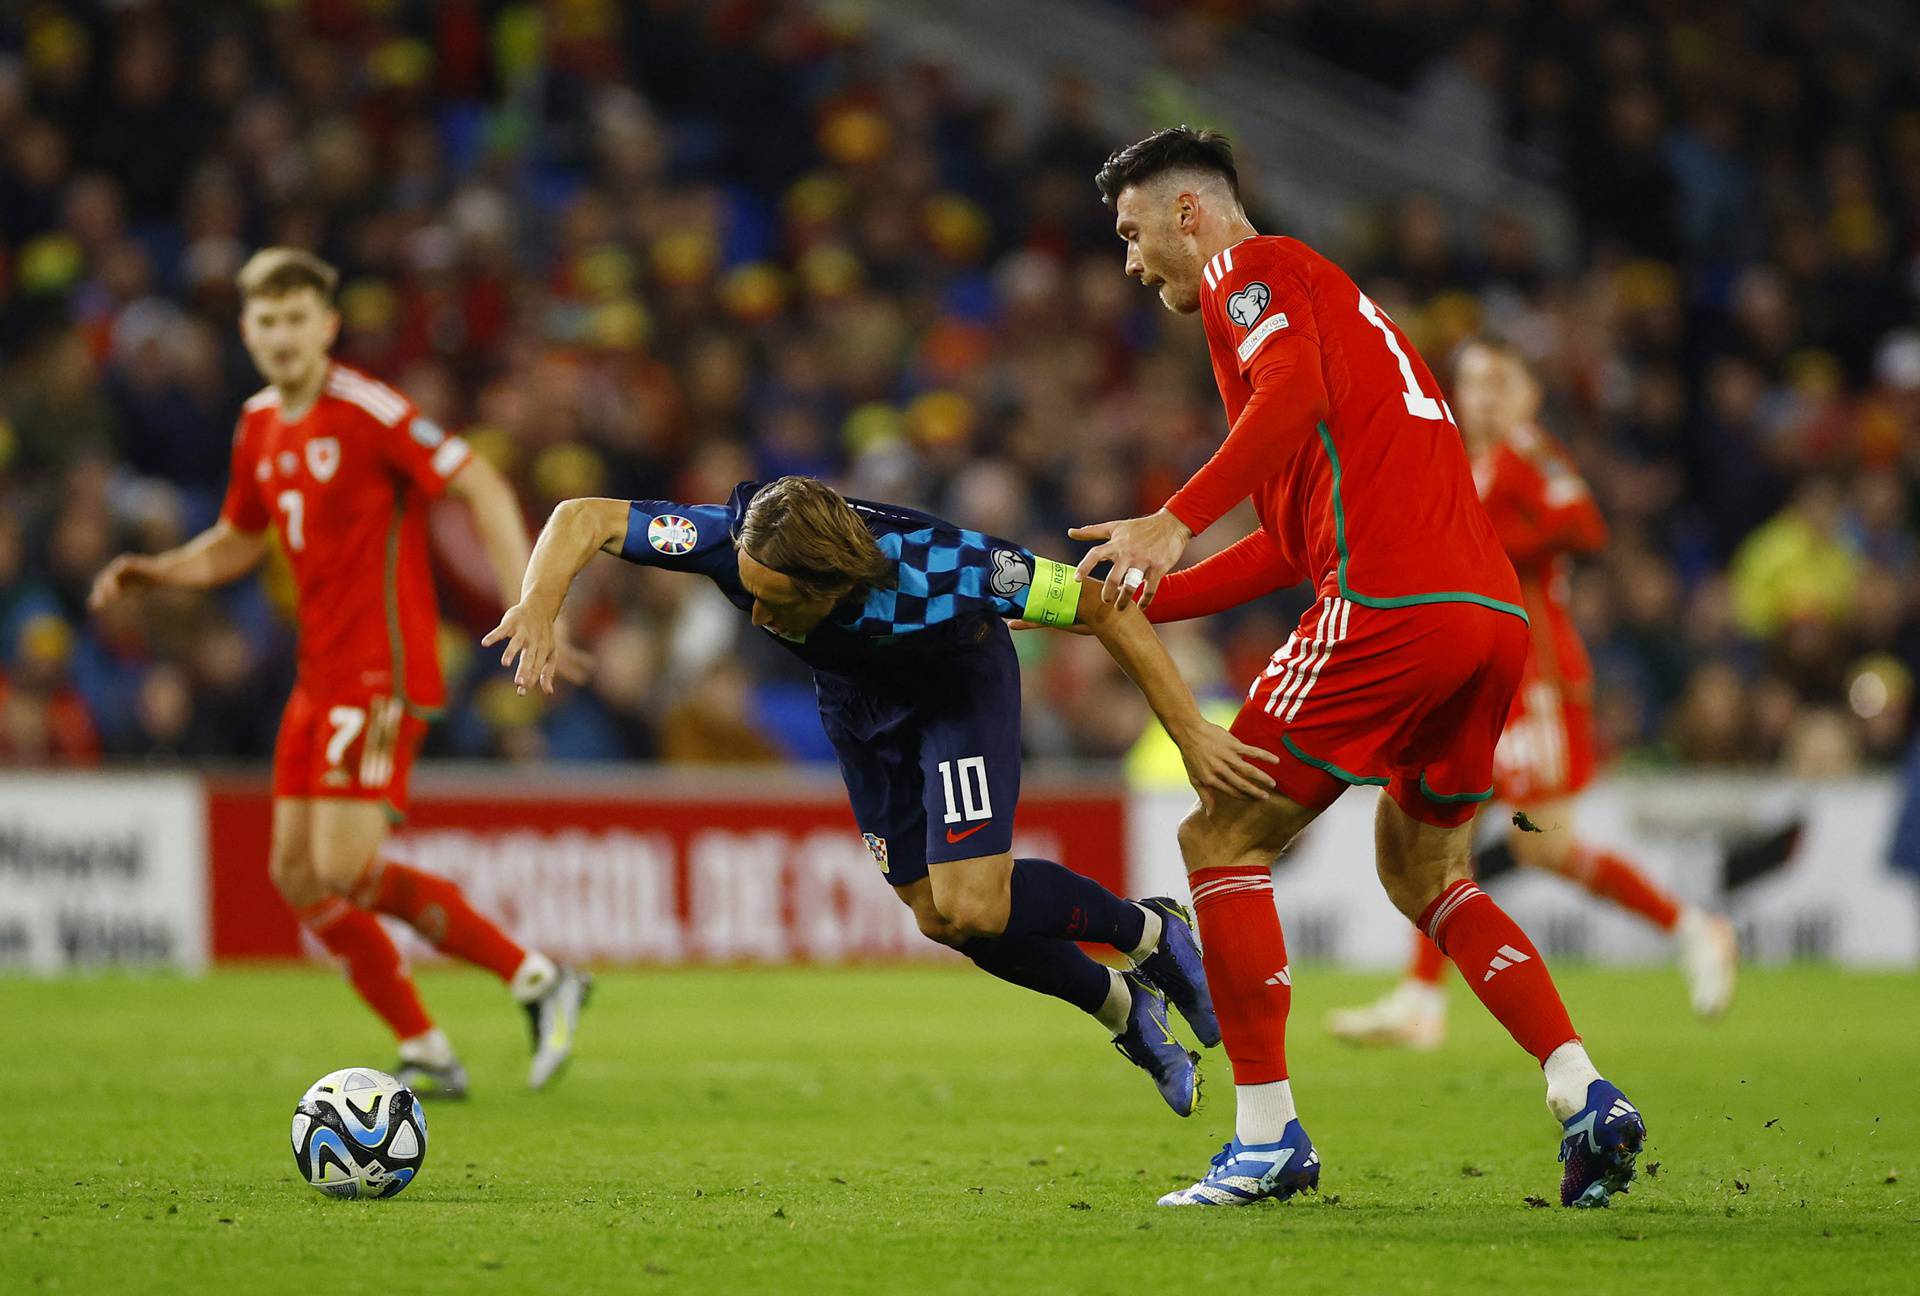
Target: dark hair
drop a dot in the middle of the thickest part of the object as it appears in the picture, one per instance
(802, 529)
(1177, 148)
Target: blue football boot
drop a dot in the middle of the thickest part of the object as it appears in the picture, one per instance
(1599, 1146)
(1245, 1173)
(1149, 1044)
(1174, 968)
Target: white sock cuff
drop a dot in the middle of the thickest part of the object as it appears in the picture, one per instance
(1569, 1071)
(1118, 1007)
(1150, 932)
(533, 978)
(431, 1048)
(1261, 1112)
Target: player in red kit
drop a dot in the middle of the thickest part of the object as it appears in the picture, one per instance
(1543, 512)
(1399, 676)
(344, 467)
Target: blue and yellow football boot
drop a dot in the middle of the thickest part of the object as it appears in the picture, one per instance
(1175, 969)
(1149, 1044)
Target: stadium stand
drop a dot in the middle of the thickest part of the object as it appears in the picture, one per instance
(620, 276)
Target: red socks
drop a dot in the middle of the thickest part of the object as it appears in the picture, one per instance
(432, 906)
(1246, 960)
(373, 963)
(1607, 875)
(1428, 962)
(439, 911)
(1603, 874)
(1500, 964)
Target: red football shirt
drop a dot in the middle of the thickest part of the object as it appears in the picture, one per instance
(1543, 512)
(347, 484)
(1341, 437)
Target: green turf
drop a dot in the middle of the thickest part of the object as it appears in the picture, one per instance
(930, 1131)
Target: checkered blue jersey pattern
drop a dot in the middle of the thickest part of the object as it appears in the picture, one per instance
(942, 573)
(947, 579)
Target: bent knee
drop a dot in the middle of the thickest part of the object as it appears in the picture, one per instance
(973, 898)
(1410, 896)
(293, 877)
(970, 914)
(1205, 843)
(937, 929)
(918, 897)
(338, 873)
(1413, 885)
(932, 923)
(1194, 840)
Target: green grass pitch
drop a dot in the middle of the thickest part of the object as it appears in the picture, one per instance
(930, 1130)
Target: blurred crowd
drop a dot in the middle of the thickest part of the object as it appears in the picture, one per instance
(651, 249)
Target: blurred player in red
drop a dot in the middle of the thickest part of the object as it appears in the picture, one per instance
(1543, 512)
(1399, 676)
(344, 468)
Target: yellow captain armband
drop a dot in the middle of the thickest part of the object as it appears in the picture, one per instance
(1054, 595)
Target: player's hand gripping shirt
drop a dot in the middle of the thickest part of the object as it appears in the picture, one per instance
(1341, 437)
(347, 486)
(952, 586)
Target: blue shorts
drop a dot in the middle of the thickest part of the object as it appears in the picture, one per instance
(932, 764)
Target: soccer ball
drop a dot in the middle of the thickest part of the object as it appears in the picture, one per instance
(359, 1133)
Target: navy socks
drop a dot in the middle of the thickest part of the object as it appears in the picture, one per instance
(1052, 900)
(1051, 967)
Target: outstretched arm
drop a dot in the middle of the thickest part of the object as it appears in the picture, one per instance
(496, 516)
(577, 530)
(503, 534)
(1217, 762)
(221, 553)
(1288, 404)
(1247, 569)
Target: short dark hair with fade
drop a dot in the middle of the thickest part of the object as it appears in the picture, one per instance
(1177, 148)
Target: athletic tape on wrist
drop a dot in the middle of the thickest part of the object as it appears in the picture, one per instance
(1054, 596)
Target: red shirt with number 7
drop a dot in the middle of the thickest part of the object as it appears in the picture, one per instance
(347, 486)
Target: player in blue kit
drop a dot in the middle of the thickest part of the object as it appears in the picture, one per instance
(902, 618)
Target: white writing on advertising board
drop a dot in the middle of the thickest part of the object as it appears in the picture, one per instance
(102, 871)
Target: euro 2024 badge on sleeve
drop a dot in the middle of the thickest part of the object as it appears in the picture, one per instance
(672, 534)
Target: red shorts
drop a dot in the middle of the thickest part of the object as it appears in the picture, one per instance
(1411, 699)
(358, 748)
(1547, 750)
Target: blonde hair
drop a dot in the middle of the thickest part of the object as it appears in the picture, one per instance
(804, 530)
(276, 271)
(1499, 345)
